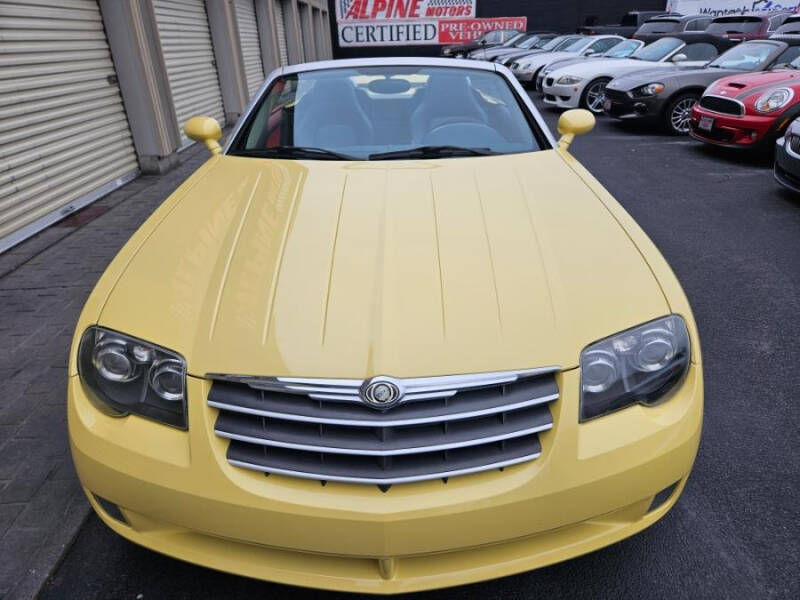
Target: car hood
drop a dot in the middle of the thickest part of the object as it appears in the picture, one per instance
(744, 85)
(405, 268)
(609, 67)
(676, 77)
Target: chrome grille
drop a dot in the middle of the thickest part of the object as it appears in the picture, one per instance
(444, 426)
(725, 106)
(794, 142)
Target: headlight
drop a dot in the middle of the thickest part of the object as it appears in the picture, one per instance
(774, 100)
(569, 80)
(638, 366)
(131, 376)
(651, 89)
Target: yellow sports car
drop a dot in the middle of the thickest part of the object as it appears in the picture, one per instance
(393, 337)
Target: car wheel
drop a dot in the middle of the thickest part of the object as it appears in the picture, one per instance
(678, 114)
(594, 95)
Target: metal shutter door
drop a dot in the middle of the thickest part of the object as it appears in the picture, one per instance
(251, 46)
(280, 32)
(189, 56)
(64, 136)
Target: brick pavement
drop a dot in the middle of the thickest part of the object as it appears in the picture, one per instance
(43, 285)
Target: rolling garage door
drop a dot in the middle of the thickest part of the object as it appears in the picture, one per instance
(64, 136)
(280, 33)
(251, 46)
(189, 56)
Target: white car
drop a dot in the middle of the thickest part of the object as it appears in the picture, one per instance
(583, 84)
(526, 68)
(624, 49)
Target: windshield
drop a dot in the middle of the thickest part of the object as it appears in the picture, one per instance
(722, 25)
(748, 56)
(660, 26)
(531, 41)
(658, 50)
(578, 45)
(359, 113)
(623, 49)
(541, 43)
(512, 41)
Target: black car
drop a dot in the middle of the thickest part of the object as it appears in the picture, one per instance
(630, 22)
(667, 95)
(487, 40)
(670, 25)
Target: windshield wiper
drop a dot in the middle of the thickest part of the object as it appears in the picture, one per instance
(431, 152)
(293, 152)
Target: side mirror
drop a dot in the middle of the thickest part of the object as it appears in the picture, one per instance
(206, 130)
(679, 58)
(574, 122)
(590, 53)
(482, 42)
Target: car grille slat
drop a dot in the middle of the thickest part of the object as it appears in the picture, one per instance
(794, 143)
(483, 422)
(725, 106)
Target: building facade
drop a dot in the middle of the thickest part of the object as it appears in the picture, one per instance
(93, 92)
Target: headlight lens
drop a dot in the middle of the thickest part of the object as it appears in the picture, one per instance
(774, 100)
(638, 366)
(131, 376)
(651, 89)
(569, 80)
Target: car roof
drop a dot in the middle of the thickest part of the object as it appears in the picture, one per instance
(761, 15)
(676, 18)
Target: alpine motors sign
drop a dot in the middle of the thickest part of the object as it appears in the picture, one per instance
(720, 8)
(414, 22)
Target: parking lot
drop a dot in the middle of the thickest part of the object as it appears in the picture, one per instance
(732, 235)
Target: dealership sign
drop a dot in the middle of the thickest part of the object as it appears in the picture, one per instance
(730, 7)
(414, 22)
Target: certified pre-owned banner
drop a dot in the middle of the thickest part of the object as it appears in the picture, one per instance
(730, 7)
(413, 22)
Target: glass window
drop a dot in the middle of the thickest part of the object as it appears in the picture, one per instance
(776, 21)
(658, 50)
(722, 25)
(788, 56)
(576, 46)
(748, 56)
(623, 49)
(789, 28)
(512, 41)
(660, 26)
(563, 43)
(360, 112)
(700, 51)
(601, 46)
(492, 37)
(698, 24)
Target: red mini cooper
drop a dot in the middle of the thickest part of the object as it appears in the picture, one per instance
(750, 110)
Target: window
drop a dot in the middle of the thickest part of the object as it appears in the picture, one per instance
(748, 56)
(788, 55)
(601, 46)
(660, 26)
(700, 51)
(698, 24)
(624, 49)
(659, 50)
(776, 21)
(723, 25)
(358, 113)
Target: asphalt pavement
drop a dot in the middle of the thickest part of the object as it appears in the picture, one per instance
(732, 235)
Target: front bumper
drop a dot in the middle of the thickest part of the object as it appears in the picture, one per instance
(621, 106)
(787, 166)
(750, 131)
(562, 96)
(592, 486)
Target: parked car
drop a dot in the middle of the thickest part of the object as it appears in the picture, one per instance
(623, 49)
(787, 158)
(557, 43)
(411, 325)
(584, 84)
(667, 96)
(527, 68)
(526, 41)
(662, 26)
(750, 111)
(487, 40)
(630, 22)
(751, 26)
(791, 26)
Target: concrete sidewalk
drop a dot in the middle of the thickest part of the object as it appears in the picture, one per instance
(43, 285)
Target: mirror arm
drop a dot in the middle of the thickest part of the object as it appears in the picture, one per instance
(213, 147)
(565, 141)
